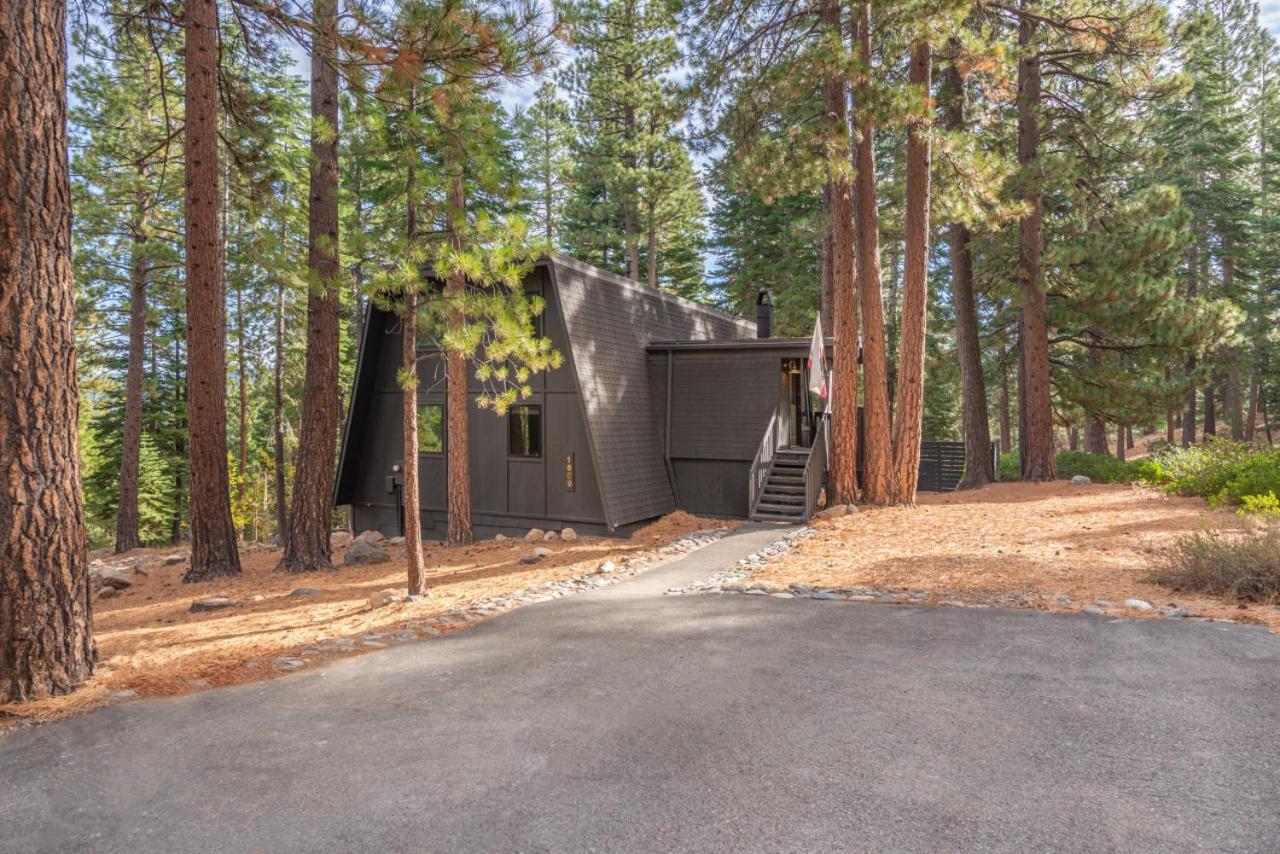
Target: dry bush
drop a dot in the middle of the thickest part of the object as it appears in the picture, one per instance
(1244, 563)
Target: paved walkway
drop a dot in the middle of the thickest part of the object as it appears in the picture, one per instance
(630, 721)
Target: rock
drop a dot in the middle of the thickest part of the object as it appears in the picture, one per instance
(1104, 603)
(396, 541)
(114, 576)
(1080, 480)
(257, 597)
(1176, 612)
(550, 535)
(340, 538)
(385, 597)
(374, 644)
(174, 560)
(126, 694)
(535, 534)
(542, 551)
(371, 537)
(530, 558)
(340, 644)
(497, 538)
(1139, 605)
(835, 511)
(362, 553)
(405, 635)
(1092, 609)
(108, 592)
(783, 595)
(861, 597)
(607, 566)
(211, 603)
(303, 591)
(197, 684)
(1062, 599)
(825, 594)
(568, 534)
(288, 663)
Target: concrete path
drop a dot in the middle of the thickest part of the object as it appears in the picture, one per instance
(623, 720)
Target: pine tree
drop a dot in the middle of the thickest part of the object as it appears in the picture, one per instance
(544, 137)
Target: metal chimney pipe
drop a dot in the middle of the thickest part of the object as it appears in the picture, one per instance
(764, 313)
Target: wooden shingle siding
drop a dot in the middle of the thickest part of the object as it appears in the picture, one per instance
(609, 321)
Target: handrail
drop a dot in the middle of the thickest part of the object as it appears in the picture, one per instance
(815, 469)
(763, 461)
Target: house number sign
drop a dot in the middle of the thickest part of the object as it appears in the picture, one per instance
(570, 474)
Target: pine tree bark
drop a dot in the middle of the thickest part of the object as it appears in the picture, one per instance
(1255, 391)
(909, 389)
(242, 389)
(878, 484)
(978, 464)
(1095, 437)
(1189, 411)
(1036, 439)
(1003, 402)
(306, 546)
(1120, 443)
(277, 415)
(1210, 427)
(843, 487)
(131, 439)
(410, 497)
(46, 622)
(827, 302)
(214, 549)
(1073, 439)
(456, 403)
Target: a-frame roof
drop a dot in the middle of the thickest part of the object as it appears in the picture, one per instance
(610, 321)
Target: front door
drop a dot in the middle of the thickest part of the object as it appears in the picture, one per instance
(796, 405)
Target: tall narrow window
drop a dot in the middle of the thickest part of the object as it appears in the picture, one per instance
(430, 428)
(524, 431)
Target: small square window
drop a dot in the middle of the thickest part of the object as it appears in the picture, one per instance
(430, 428)
(524, 431)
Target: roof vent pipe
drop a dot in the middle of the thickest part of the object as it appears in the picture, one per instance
(764, 313)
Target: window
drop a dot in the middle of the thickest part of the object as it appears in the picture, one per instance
(430, 428)
(524, 431)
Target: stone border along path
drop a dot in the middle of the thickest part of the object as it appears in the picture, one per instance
(605, 574)
(731, 581)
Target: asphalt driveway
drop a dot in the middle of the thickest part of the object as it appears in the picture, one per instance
(626, 720)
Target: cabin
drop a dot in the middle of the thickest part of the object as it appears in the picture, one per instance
(660, 404)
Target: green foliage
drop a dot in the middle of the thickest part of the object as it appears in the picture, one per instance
(1010, 466)
(1260, 505)
(1100, 468)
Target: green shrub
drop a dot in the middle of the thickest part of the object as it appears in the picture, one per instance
(1010, 467)
(1100, 468)
(1204, 469)
(1243, 564)
(1148, 471)
(1260, 505)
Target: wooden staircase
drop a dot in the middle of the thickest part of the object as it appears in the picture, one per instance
(783, 497)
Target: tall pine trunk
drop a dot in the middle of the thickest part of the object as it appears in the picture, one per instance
(841, 265)
(411, 494)
(214, 550)
(1036, 410)
(1189, 412)
(458, 446)
(909, 390)
(242, 389)
(306, 547)
(277, 415)
(131, 438)
(46, 622)
(978, 465)
(1095, 437)
(878, 453)
(1121, 445)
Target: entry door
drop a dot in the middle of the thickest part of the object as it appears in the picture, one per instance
(795, 406)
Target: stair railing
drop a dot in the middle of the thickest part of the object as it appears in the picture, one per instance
(815, 469)
(763, 461)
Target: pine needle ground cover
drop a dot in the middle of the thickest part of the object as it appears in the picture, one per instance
(1049, 546)
(151, 644)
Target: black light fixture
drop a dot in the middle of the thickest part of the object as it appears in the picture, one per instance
(764, 313)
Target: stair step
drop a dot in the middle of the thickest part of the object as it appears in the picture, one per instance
(785, 480)
(781, 509)
(784, 488)
(782, 497)
(776, 517)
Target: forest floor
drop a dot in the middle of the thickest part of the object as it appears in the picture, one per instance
(1047, 546)
(1050, 547)
(150, 642)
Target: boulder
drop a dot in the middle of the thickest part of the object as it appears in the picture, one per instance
(607, 566)
(303, 591)
(339, 538)
(542, 551)
(113, 576)
(835, 511)
(211, 603)
(497, 538)
(1138, 605)
(568, 534)
(535, 534)
(174, 560)
(108, 592)
(550, 535)
(371, 537)
(390, 596)
(1081, 480)
(396, 541)
(361, 553)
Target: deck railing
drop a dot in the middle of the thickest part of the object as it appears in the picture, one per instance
(763, 461)
(815, 469)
